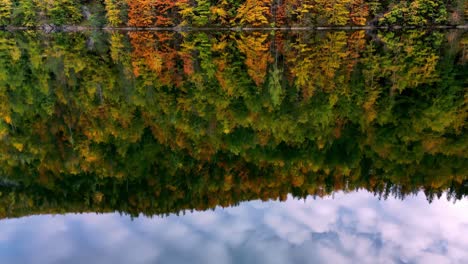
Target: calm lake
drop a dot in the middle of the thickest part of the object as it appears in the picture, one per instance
(234, 147)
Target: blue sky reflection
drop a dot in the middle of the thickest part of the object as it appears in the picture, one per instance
(351, 228)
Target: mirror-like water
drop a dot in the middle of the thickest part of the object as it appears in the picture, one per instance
(160, 123)
(350, 228)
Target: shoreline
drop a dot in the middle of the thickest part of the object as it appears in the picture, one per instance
(52, 28)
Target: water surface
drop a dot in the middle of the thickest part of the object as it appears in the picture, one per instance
(326, 147)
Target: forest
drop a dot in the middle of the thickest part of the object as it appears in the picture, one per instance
(160, 122)
(232, 13)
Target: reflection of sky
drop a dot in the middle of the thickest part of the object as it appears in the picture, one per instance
(351, 228)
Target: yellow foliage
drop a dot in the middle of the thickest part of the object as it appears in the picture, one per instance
(7, 119)
(5, 11)
(18, 146)
(113, 13)
(219, 12)
(255, 48)
(253, 12)
(98, 196)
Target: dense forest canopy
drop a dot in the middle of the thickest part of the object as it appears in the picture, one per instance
(233, 13)
(158, 122)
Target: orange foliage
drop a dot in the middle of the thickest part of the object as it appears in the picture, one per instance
(164, 8)
(356, 43)
(359, 12)
(146, 13)
(153, 52)
(140, 13)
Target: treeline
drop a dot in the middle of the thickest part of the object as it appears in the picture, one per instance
(157, 122)
(232, 13)
(201, 186)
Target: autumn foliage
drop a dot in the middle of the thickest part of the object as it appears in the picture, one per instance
(146, 13)
(159, 122)
(231, 13)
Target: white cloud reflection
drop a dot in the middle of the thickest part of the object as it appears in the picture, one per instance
(351, 228)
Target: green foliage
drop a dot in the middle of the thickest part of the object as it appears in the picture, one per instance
(333, 12)
(116, 12)
(97, 16)
(245, 13)
(416, 13)
(65, 12)
(25, 13)
(155, 122)
(5, 12)
(198, 15)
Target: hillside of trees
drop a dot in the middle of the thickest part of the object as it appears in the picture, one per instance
(232, 13)
(158, 122)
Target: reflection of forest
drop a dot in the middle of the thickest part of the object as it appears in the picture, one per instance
(155, 122)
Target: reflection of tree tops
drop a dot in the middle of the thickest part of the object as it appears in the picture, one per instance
(201, 187)
(203, 120)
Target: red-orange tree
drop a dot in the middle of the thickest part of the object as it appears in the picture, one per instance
(145, 13)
